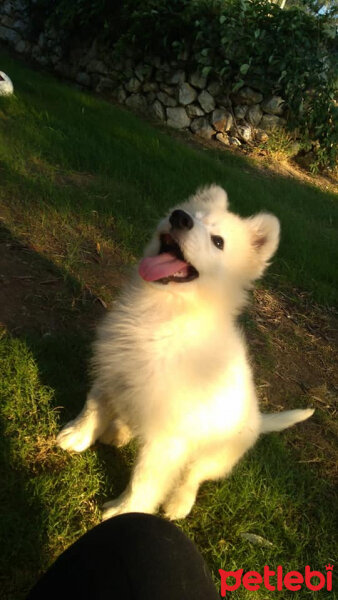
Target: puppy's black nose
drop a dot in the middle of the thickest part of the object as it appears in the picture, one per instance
(181, 220)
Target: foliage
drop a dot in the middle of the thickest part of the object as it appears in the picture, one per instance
(251, 42)
(257, 44)
(82, 18)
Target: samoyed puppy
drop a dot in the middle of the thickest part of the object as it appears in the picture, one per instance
(170, 362)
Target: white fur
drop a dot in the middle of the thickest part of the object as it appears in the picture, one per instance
(6, 85)
(171, 365)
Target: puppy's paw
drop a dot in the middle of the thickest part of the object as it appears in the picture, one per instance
(117, 434)
(178, 507)
(114, 508)
(73, 437)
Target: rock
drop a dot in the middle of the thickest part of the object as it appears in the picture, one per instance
(197, 80)
(121, 95)
(167, 89)
(52, 34)
(20, 5)
(42, 60)
(261, 136)
(146, 72)
(143, 71)
(183, 55)
(274, 105)
(7, 21)
(240, 111)
(151, 97)
(166, 99)
(206, 101)
(41, 40)
(269, 122)
(150, 86)
(83, 79)
(223, 101)
(97, 66)
(105, 84)
(247, 95)
(223, 138)
(165, 67)
(9, 35)
(294, 149)
(133, 85)
(202, 128)
(194, 110)
(159, 76)
(64, 70)
(157, 111)
(186, 94)
(54, 59)
(233, 141)
(245, 132)
(214, 88)
(7, 7)
(22, 47)
(137, 102)
(176, 77)
(21, 26)
(254, 115)
(177, 118)
(221, 120)
(139, 72)
(155, 61)
(128, 64)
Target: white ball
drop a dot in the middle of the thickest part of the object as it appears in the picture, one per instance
(6, 86)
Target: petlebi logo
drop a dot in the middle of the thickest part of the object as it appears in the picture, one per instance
(276, 580)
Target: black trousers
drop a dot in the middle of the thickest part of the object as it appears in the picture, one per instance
(131, 557)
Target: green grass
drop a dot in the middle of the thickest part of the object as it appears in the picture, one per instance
(77, 172)
(139, 172)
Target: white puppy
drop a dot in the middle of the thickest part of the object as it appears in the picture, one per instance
(170, 362)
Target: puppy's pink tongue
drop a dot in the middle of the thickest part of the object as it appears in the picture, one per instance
(162, 265)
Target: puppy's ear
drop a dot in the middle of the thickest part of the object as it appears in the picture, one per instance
(264, 231)
(218, 196)
(214, 194)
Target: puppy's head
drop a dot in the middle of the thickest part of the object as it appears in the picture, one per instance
(201, 242)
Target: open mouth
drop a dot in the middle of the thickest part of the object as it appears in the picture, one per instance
(168, 265)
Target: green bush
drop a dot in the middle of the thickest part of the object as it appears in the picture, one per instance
(84, 19)
(241, 42)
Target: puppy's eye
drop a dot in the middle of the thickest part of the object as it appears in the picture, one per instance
(218, 241)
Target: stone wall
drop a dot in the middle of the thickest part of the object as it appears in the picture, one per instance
(166, 91)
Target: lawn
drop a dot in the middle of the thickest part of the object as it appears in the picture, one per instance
(82, 184)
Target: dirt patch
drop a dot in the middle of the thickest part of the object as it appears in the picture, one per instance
(294, 347)
(267, 164)
(36, 295)
(38, 166)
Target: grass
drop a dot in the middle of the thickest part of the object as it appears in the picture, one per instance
(130, 173)
(82, 184)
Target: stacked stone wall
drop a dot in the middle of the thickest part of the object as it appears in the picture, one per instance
(166, 91)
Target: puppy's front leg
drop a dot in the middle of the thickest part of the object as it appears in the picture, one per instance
(157, 468)
(82, 432)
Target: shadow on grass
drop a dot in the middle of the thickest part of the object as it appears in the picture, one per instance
(55, 319)
(143, 170)
(22, 536)
(48, 322)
